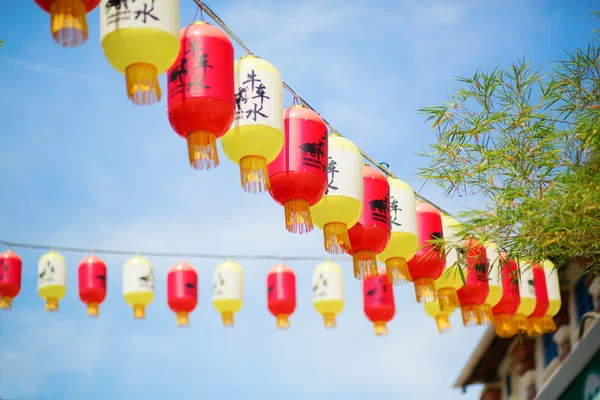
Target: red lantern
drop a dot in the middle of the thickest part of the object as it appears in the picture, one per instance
(378, 299)
(473, 294)
(10, 278)
(509, 303)
(201, 96)
(534, 320)
(68, 22)
(92, 284)
(429, 261)
(299, 174)
(281, 294)
(182, 291)
(372, 232)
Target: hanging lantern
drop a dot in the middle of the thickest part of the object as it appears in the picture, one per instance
(473, 294)
(52, 279)
(554, 301)
(378, 301)
(255, 138)
(201, 99)
(328, 291)
(404, 240)
(68, 23)
(141, 40)
(442, 319)
(281, 294)
(182, 291)
(10, 278)
(298, 175)
(509, 302)
(534, 320)
(428, 263)
(494, 280)
(138, 285)
(92, 284)
(527, 294)
(450, 280)
(371, 234)
(341, 206)
(228, 290)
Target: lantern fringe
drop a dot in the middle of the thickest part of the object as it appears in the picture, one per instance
(520, 322)
(142, 84)
(397, 271)
(283, 321)
(5, 303)
(505, 325)
(425, 291)
(227, 318)
(51, 304)
(254, 174)
(93, 310)
(297, 216)
(365, 264)
(448, 299)
(488, 315)
(139, 311)
(534, 327)
(380, 328)
(443, 323)
(68, 22)
(548, 325)
(183, 319)
(202, 150)
(336, 239)
(329, 320)
(474, 315)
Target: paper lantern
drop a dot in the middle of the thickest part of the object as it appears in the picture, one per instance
(341, 206)
(281, 294)
(138, 285)
(141, 40)
(92, 284)
(428, 263)
(450, 280)
(10, 278)
(228, 290)
(494, 280)
(378, 301)
(534, 320)
(404, 240)
(298, 175)
(68, 22)
(509, 302)
(255, 138)
(473, 294)
(554, 300)
(442, 319)
(527, 295)
(182, 291)
(371, 234)
(201, 98)
(328, 291)
(52, 279)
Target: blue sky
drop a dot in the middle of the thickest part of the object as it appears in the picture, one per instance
(81, 166)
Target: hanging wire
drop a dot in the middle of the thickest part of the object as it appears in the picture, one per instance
(376, 164)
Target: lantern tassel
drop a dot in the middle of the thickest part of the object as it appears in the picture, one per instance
(443, 323)
(142, 84)
(202, 150)
(425, 291)
(397, 271)
(283, 321)
(336, 239)
(139, 311)
(183, 319)
(488, 316)
(329, 320)
(380, 328)
(473, 315)
(548, 324)
(297, 216)
(365, 264)
(51, 304)
(534, 327)
(5, 303)
(448, 299)
(68, 22)
(93, 310)
(227, 318)
(505, 325)
(254, 174)
(520, 322)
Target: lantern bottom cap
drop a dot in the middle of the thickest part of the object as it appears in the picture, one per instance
(365, 264)
(297, 216)
(443, 323)
(448, 299)
(548, 324)
(397, 271)
(51, 304)
(227, 318)
(505, 325)
(68, 22)
(534, 327)
(425, 290)
(329, 320)
(254, 174)
(139, 311)
(5, 303)
(142, 84)
(335, 238)
(283, 321)
(380, 328)
(93, 310)
(183, 318)
(202, 150)
(474, 315)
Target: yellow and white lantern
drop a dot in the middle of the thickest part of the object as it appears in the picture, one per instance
(228, 290)
(52, 279)
(328, 291)
(138, 285)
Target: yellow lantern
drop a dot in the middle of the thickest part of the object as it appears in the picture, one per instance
(328, 291)
(404, 241)
(450, 280)
(256, 137)
(494, 280)
(441, 318)
(554, 300)
(341, 207)
(228, 290)
(527, 293)
(138, 285)
(141, 40)
(52, 279)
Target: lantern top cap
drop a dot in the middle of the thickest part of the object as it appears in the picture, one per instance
(425, 207)
(10, 254)
(91, 259)
(229, 264)
(398, 184)
(280, 268)
(298, 111)
(200, 22)
(329, 265)
(181, 266)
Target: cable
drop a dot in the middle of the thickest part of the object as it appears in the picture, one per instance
(376, 164)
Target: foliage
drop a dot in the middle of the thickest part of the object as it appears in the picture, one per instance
(528, 142)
